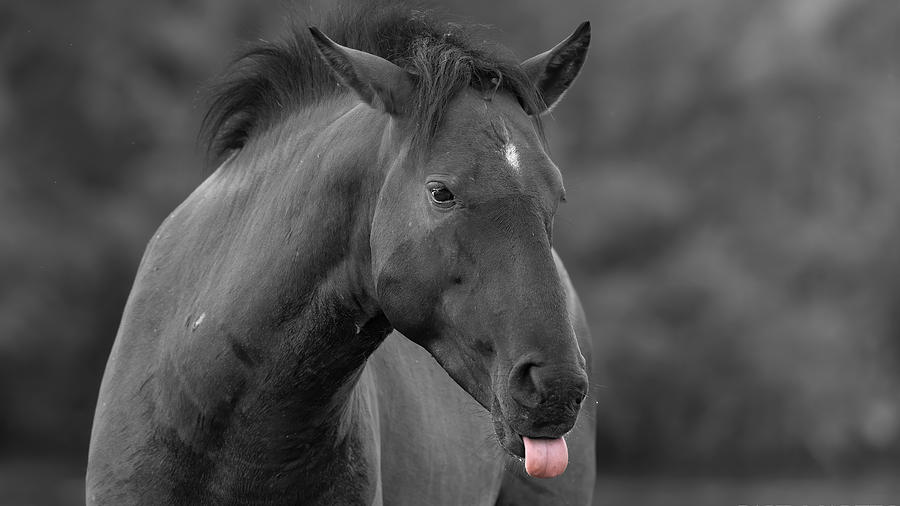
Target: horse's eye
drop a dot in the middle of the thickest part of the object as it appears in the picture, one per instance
(440, 194)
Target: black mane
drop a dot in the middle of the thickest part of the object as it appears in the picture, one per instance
(271, 79)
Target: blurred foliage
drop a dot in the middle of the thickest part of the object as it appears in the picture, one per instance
(732, 226)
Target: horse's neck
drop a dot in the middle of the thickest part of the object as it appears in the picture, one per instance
(276, 320)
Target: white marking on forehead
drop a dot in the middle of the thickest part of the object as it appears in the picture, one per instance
(511, 153)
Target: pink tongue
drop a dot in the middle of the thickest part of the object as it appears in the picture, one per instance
(545, 458)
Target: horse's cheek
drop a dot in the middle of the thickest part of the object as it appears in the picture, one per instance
(403, 296)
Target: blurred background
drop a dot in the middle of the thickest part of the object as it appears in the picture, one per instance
(733, 227)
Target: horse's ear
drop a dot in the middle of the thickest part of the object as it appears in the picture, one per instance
(553, 72)
(380, 83)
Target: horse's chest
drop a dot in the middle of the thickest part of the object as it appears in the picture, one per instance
(435, 444)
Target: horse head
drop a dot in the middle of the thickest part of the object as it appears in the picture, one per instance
(461, 253)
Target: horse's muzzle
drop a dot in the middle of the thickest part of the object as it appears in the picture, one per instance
(541, 402)
(545, 399)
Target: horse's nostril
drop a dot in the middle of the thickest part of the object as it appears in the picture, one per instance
(524, 384)
(532, 385)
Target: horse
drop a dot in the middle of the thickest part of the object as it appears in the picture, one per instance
(361, 304)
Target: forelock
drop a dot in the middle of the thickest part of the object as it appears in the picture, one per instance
(270, 80)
